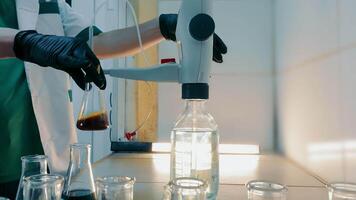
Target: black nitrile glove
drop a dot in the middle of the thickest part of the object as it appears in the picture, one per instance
(63, 53)
(168, 25)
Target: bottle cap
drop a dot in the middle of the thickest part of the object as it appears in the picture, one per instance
(195, 91)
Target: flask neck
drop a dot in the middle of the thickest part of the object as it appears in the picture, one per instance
(80, 154)
(195, 105)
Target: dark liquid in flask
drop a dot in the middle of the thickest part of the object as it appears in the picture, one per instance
(80, 195)
(93, 122)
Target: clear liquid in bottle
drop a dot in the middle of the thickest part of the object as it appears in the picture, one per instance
(195, 143)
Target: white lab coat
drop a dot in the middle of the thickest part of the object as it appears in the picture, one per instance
(50, 99)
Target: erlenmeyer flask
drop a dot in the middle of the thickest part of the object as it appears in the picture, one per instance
(93, 115)
(79, 183)
(31, 165)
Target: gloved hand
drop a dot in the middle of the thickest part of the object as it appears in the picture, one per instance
(63, 53)
(168, 25)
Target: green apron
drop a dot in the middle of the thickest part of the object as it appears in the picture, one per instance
(19, 133)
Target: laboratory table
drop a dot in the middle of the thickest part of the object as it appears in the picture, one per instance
(152, 173)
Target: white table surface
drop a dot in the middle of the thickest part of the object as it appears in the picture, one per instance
(152, 173)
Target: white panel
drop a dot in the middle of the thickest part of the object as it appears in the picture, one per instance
(246, 27)
(310, 117)
(241, 88)
(347, 51)
(306, 31)
(242, 107)
(316, 57)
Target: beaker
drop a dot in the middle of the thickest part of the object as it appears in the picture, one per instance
(93, 115)
(31, 165)
(186, 188)
(79, 183)
(43, 187)
(265, 190)
(342, 191)
(115, 188)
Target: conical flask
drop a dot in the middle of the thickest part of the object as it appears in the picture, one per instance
(79, 183)
(93, 115)
(31, 165)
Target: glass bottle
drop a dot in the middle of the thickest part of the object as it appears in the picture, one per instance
(43, 187)
(115, 188)
(342, 191)
(93, 115)
(195, 142)
(79, 183)
(265, 190)
(31, 165)
(185, 189)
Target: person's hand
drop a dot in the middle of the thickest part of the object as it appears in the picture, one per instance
(68, 54)
(168, 25)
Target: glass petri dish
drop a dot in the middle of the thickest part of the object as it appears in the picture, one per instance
(339, 190)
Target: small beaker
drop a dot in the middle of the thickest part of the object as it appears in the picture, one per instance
(342, 191)
(79, 183)
(93, 115)
(265, 190)
(185, 188)
(43, 187)
(31, 165)
(115, 188)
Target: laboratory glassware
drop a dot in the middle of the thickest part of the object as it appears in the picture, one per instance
(185, 188)
(93, 114)
(265, 190)
(114, 188)
(342, 191)
(79, 183)
(195, 143)
(4, 198)
(43, 187)
(31, 165)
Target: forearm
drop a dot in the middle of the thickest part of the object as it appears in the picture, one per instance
(124, 42)
(7, 37)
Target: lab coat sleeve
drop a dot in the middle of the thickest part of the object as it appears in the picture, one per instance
(73, 23)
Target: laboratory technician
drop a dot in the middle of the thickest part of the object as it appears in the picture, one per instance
(36, 115)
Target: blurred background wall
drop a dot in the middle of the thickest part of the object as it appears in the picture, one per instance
(316, 62)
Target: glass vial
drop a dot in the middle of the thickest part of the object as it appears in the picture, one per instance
(93, 114)
(264, 190)
(31, 165)
(342, 191)
(79, 183)
(43, 187)
(186, 189)
(195, 142)
(115, 188)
